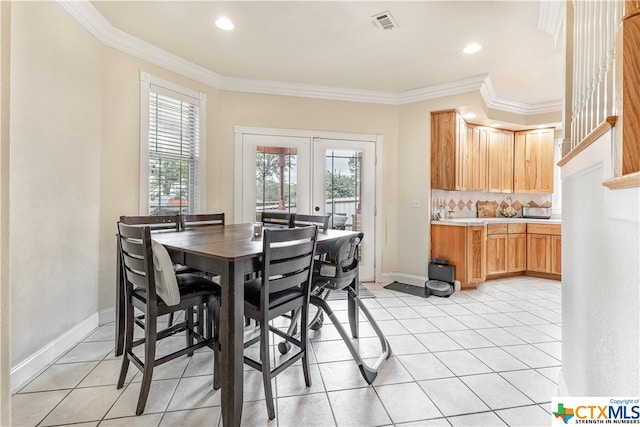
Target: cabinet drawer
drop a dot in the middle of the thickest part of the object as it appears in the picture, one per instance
(554, 229)
(517, 228)
(497, 228)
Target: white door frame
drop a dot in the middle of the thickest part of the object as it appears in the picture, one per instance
(376, 139)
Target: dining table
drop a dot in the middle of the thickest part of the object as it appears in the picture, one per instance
(230, 252)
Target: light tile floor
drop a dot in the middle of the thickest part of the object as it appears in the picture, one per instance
(487, 357)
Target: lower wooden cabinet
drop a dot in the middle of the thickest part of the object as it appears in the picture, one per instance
(497, 254)
(464, 247)
(506, 248)
(544, 248)
(517, 250)
(556, 254)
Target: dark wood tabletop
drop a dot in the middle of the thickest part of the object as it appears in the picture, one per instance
(231, 251)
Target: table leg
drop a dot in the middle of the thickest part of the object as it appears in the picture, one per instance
(353, 311)
(232, 342)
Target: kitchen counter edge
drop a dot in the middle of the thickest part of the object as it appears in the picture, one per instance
(465, 222)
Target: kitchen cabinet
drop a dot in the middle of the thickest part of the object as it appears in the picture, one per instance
(533, 161)
(464, 247)
(475, 171)
(544, 251)
(458, 153)
(505, 249)
(500, 161)
(448, 150)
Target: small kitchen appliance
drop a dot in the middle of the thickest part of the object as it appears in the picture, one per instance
(536, 212)
(442, 277)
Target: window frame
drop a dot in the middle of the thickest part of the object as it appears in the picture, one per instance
(147, 81)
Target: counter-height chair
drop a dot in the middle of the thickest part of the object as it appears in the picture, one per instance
(277, 219)
(155, 223)
(152, 287)
(201, 220)
(338, 221)
(282, 287)
(195, 221)
(321, 221)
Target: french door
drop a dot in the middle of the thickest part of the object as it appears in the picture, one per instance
(312, 175)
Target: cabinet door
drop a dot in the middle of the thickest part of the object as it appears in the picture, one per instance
(444, 131)
(516, 253)
(476, 169)
(476, 268)
(496, 254)
(539, 253)
(533, 161)
(500, 161)
(556, 254)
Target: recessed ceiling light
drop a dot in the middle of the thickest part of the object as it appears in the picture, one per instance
(472, 48)
(496, 125)
(469, 116)
(224, 23)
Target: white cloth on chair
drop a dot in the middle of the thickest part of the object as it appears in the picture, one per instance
(166, 282)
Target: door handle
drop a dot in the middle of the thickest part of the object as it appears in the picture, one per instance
(317, 208)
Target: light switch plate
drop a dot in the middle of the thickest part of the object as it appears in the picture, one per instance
(415, 203)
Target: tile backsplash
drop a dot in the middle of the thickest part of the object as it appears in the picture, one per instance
(463, 203)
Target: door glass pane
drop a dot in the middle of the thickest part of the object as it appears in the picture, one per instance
(343, 188)
(276, 179)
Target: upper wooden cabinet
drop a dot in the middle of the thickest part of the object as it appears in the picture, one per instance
(469, 157)
(475, 170)
(500, 161)
(448, 153)
(533, 161)
(458, 153)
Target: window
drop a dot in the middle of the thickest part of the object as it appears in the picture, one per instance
(171, 149)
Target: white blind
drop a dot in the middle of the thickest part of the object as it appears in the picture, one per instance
(173, 153)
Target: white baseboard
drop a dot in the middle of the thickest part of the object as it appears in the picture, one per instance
(107, 315)
(409, 279)
(37, 362)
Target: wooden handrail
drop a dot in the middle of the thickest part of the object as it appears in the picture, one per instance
(593, 136)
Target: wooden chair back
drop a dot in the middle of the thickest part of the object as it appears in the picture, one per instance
(274, 218)
(154, 222)
(201, 220)
(321, 221)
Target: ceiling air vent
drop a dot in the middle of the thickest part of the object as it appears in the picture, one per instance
(384, 20)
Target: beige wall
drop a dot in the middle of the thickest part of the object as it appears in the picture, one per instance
(5, 283)
(56, 87)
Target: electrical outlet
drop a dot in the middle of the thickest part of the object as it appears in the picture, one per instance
(415, 203)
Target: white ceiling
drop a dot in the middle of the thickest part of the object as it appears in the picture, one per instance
(335, 43)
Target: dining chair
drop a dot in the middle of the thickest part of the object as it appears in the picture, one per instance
(277, 218)
(322, 221)
(152, 287)
(338, 221)
(156, 223)
(190, 221)
(283, 287)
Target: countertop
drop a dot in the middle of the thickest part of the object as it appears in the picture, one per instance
(463, 222)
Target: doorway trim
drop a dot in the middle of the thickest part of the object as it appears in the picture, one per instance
(240, 131)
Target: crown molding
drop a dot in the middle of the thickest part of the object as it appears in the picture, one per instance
(270, 87)
(89, 17)
(441, 90)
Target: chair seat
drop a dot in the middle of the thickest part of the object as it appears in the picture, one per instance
(191, 286)
(252, 295)
(183, 269)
